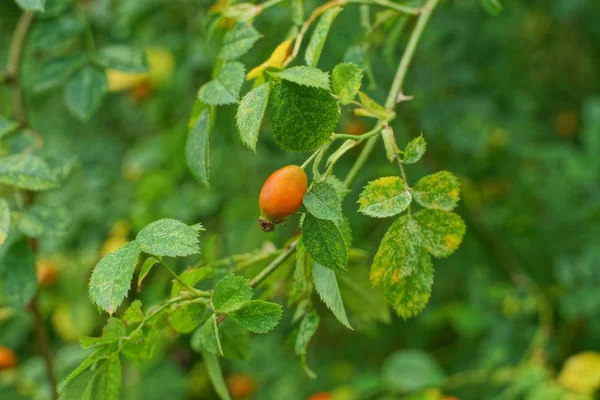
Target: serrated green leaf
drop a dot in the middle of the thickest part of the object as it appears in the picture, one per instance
(324, 242)
(419, 371)
(79, 387)
(306, 331)
(31, 5)
(83, 367)
(197, 151)
(408, 295)
(305, 76)
(187, 318)
(327, 287)
(346, 79)
(226, 87)
(145, 270)
(7, 126)
(323, 202)
(123, 58)
(134, 313)
(442, 231)
(210, 336)
(415, 150)
(108, 381)
(319, 36)
(231, 293)
(112, 276)
(440, 191)
(492, 7)
(303, 118)
(114, 328)
(168, 237)
(57, 71)
(85, 92)
(216, 376)
(17, 273)
(26, 171)
(4, 220)
(384, 197)
(398, 253)
(44, 220)
(238, 41)
(258, 316)
(250, 114)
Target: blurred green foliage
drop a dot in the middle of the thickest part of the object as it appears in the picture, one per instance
(510, 103)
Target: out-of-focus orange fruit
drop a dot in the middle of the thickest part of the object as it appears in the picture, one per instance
(46, 273)
(320, 396)
(8, 359)
(241, 385)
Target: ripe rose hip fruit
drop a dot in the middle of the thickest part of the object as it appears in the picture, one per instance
(320, 396)
(7, 358)
(281, 196)
(46, 273)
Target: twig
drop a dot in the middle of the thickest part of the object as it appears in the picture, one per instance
(42, 341)
(396, 88)
(13, 74)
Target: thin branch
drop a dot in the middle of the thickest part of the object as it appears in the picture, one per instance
(13, 73)
(42, 341)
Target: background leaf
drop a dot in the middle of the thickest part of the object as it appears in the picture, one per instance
(41, 220)
(317, 40)
(197, 151)
(17, 272)
(31, 5)
(410, 370)
(123, 58)
(26, 171)
(216, 376)
(4, 220)
(85, 92)
(306, 331)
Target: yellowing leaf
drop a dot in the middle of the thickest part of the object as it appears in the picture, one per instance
(277, 58)
(581, 373)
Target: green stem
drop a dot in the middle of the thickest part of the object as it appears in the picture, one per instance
(195, 291)
(309, 159)
(396, 88)
(388, 4)
(13, 71)
(360, 161)
(408, 55)
(270, 3)
(362, 137)
(89, 35)
(269, 269)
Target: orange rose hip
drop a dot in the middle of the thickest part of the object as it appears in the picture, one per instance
(281, 195)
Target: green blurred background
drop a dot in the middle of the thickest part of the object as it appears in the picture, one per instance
(510, 103)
